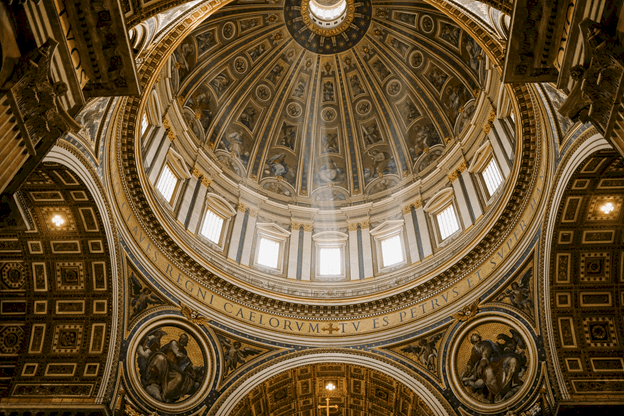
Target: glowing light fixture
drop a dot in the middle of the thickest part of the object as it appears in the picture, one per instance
(607, 208)
(330, 386)
(58, 220)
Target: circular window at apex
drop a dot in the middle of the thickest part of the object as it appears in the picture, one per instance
(327, 13)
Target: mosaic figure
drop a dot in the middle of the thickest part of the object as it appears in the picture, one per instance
(494, 369)
(426, 351)
(371, 134)
(381, 69)
(330, 172)
(288, 136)
(354, 80)
(520, 294)
(205, 41)
(248, 117)
(235, 354)
(257, 52)
(329, 142)
(328, 91)
(167, 373)
(450, 34)
(299, 89)
(399, 46)
(275, 73)
(437, 78)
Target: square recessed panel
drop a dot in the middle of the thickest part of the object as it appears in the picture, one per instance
(574, 364)
(41, 307)
(60, 369)
(100, 306)
(600, 332)
(566, 237)
(595, 267)
(29, 369)
(35, 247)
(579, 184)
(96, 246)
(91, 369)
(563, 299)
(65, 213)
(79, 195)
(597, 203)
(70, 276)
(67, 338)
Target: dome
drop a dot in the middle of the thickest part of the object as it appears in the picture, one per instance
(328, 157)
(327, 115)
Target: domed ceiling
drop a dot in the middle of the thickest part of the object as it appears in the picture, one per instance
(327, 111)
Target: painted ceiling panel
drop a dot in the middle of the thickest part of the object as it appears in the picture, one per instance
(327, 114)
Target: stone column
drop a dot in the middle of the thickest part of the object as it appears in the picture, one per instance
(367, 251)
(159, 159)
(471, 190)
(189, 197)
(462, 202)
(412, 242)
(154, 145)
(252, 214)
(236, 232)
(423, 229)
(196, 212)
(306, 262)
(293, 250)
(354, 253)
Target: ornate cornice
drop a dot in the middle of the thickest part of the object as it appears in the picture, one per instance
(528, 158)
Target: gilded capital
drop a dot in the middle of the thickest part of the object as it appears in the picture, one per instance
(418, 203)
(308, 227)
(406, 209)
(453, 176)
(241, 207)
(352, 226)
(196, 172)
(462, 166)
(205, 181)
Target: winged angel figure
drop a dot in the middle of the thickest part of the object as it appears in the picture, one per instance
(142, 296)
(235, 354)
(426, 350)
(520, 294)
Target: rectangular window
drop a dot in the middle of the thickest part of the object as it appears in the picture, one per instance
(144, 124)
(166, 183)
(268, 253)
(211, 229)
(492, 177)
(447, 221)
(391, 251)
(330, 261)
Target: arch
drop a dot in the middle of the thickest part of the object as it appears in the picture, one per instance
(63, 156)
(592, 144)
(435, 403)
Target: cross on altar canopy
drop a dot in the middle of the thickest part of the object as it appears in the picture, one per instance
(327, 406)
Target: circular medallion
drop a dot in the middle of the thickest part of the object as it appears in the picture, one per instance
(493, 363)
(169, 364)
(329, 114)
(228, 30)
(416, 59)
(363, 107)
(321, 26)
(426, 24)
(293, 110)
(393, 88)
(263, 92)
(240, 65)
